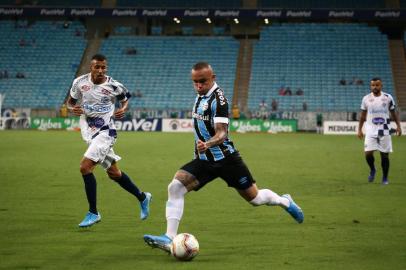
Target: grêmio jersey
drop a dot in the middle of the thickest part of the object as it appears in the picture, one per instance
(208, 110)
(98, 101)
(378, 114)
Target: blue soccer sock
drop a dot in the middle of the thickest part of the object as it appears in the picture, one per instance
(90, 188)
(125, 182)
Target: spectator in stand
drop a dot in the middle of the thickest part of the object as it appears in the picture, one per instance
(288, 92)
(20, 75)
(304, 106)
(343, 81)
(274, 105)
(130, 51)
(282, 91)
(263, 109)
(236, 112)
(299, 92)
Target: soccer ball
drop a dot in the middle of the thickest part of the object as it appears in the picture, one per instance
(184, 247)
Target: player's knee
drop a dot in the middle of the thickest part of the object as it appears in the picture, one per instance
(114, 175)
(175, 187)
(85, 169)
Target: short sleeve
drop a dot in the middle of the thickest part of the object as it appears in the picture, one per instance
(364, 106)
(74, 90)
(221, 108)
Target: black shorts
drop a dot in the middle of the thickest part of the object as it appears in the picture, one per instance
(231, 169)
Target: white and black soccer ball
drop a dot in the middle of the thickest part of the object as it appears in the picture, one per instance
(184, 247)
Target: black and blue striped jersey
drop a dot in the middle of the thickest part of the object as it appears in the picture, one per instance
(208, 110)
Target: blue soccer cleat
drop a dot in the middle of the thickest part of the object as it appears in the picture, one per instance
(145, 205)
(294, 210)
(90, 219)
(385, 181)
(162, 242)
(371, 176)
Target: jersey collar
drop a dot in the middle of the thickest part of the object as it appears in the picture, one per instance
(214, 87)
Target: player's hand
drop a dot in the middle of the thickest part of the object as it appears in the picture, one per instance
(360, 134)
(201, 146)
(398, 131)
(119, 113)
(77, 110)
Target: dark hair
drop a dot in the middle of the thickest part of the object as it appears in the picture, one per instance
(374, 79)
(99, 57)
(201, 65)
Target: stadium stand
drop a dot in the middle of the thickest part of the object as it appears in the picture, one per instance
(46, 53)
(321, 4)
(180, 3)
(160, 69)
(315, 57)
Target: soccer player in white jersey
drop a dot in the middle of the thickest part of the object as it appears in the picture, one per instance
(215, 157)
(377, 109)
(92, 97)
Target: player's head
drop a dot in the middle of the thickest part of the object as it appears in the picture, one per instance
(98, 68)
(376, 85)
(203, 77)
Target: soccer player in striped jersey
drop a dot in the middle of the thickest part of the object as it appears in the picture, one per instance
(376, 109)
(214, 156)
(92, 97)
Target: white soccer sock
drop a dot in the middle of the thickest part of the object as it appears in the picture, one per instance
(268, 197)
(174, 207)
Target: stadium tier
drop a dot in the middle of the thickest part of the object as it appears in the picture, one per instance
(331, 63)
(159, 67)
(45, 55)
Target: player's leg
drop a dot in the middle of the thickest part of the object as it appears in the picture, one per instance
(181, 184)
(126, 183)
(370, 145)
(86, 168)
(385, 147)
(236, 173)
(385, 167)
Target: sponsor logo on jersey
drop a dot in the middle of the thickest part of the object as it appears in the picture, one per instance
(378, 121)
(201, 117)
(96, 108)
(221, 97)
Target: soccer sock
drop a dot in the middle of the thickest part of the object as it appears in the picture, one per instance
(90, 188)
(125, 182)
(268, 197)
(370, 160)
(174, 207)
(385, 164)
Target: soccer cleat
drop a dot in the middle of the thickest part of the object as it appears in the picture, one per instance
(371, 176)
(90, 219)
(162, 242)
(145, 205)
(385, 181)
(294, 210)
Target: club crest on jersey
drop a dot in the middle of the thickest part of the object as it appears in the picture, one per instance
(105, 91)
(205, 106)
(85, 87)
(384, 105)
(105, 100)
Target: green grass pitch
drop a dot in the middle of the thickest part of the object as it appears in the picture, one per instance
(349, 223)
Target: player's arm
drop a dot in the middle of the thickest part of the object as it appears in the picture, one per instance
(120, 112)
(395, 118)
(218, 138)
(73, 107)
(362, 119)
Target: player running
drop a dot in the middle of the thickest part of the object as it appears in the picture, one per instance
(215, 156)
(98, 93)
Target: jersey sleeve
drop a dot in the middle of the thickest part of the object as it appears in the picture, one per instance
(392, 105)
(221, 108)
(364, 104)
(120, 91)
(75, 90)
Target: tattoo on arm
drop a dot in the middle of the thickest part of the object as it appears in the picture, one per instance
(220, 136)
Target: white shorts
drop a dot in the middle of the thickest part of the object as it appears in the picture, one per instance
(382, 144)
(100, 150)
